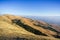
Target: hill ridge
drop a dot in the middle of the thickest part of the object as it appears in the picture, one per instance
(21, 25)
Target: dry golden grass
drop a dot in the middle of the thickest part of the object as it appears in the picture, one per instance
(9, 30)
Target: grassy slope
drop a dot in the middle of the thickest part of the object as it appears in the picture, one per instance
(7, 29)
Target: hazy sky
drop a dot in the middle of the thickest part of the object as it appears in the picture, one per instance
(30, 7)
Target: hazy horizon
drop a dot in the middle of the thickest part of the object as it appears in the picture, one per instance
(48, 19)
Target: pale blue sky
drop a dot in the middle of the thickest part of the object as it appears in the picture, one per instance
(30, 7)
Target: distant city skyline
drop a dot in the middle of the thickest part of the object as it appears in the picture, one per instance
(30, 7)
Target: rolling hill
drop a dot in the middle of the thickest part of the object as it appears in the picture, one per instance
(21, 28)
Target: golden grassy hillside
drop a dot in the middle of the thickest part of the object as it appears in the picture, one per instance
(21, 28)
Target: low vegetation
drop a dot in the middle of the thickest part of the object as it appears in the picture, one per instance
(17, 28)
(28, 28)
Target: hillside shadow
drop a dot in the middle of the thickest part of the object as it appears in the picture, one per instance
(27, 27)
